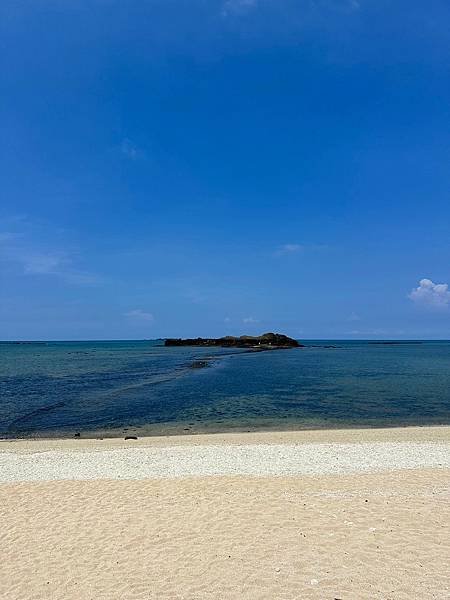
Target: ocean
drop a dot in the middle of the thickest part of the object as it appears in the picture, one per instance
(117, 388)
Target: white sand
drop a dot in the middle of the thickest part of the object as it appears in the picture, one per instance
(250, 459)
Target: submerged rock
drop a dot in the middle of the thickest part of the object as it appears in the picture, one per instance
(199, 364)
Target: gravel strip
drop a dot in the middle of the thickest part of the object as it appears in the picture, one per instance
(252, 459)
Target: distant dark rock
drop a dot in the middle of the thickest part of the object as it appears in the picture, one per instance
(130, 437)
(21, 343)
(320, 346)
(77, 435)
(267, 341)
(395, 342)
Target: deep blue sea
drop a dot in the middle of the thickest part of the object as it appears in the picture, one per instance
(112, 388)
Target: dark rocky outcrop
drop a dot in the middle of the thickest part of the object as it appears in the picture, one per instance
(267, 341)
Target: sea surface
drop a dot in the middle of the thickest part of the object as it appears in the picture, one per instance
(100, 389)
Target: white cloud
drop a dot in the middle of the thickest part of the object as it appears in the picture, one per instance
(431, 295)
(292, 247)
(250, 320)
(289, 249)
(139, 315)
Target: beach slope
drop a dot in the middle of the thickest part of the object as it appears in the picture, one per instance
(346, 514)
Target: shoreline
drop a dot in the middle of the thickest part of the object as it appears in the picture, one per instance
(189, 430)
(296, 436)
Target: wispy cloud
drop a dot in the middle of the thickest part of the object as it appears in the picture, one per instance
(196, 296)
(294, 248)
(250, 320)
(6, 236)
(130, 149)
(237, 7)
(139, 315)
(353, 317)
(289, 249)
(35, 263)
(367, 332)
(377, 332)
(431, 295)
(353, 4)
(31, 259)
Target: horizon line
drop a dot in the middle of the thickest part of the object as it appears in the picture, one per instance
(305, 339)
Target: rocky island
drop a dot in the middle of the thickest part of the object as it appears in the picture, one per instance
(267, 341)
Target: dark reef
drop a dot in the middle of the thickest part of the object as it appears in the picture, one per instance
(267, 341)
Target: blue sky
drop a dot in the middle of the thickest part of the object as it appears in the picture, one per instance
(229, 166)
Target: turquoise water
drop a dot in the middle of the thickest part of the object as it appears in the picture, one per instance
(108, 388)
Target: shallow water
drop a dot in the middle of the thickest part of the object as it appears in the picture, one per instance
(104, 388)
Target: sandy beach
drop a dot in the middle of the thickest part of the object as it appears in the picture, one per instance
(356, 514)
